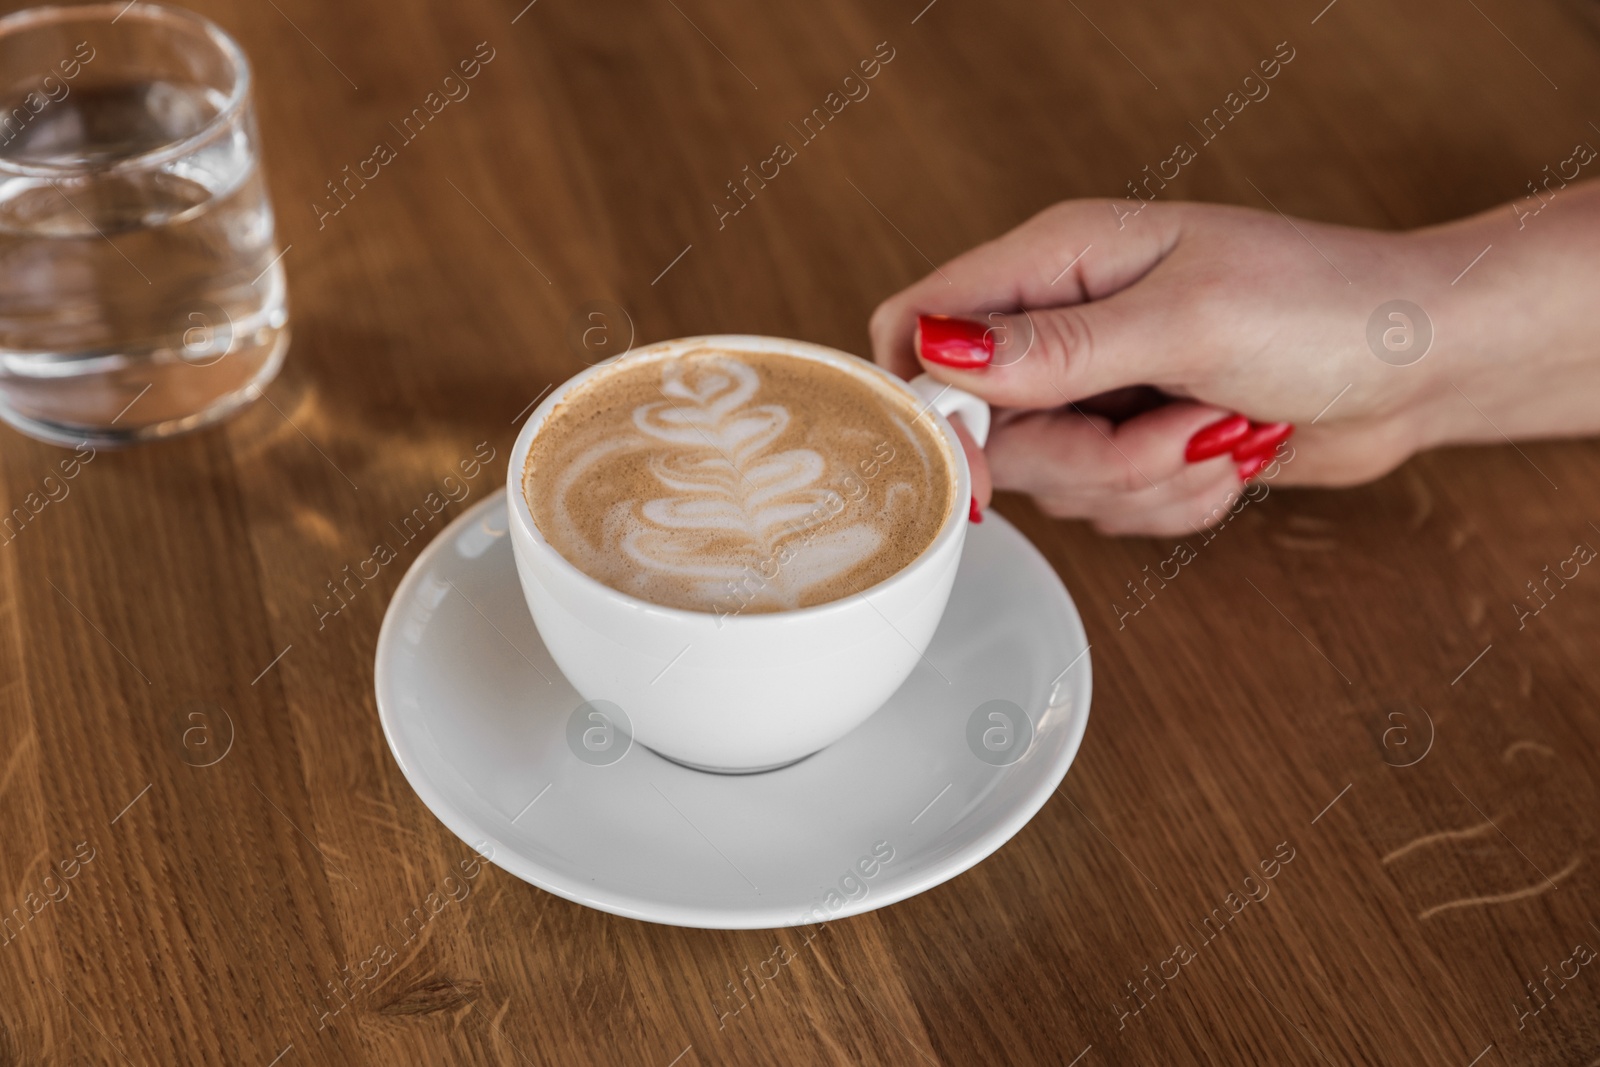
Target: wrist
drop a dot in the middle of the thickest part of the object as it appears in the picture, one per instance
(1516, 348)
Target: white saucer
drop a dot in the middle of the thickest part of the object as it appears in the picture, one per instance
(478, 718)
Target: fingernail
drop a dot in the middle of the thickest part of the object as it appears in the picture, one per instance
(951, 342)
(1219, 437)
(1263, 437)
(974, 513)
(1253, 466)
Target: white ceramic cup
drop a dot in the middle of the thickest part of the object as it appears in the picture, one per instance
(744, 692)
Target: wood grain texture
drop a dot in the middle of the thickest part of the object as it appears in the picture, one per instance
(1249, 705)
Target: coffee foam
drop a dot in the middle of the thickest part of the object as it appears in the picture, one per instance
(737, 482)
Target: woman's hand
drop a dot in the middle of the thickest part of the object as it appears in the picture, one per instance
(1230, 312)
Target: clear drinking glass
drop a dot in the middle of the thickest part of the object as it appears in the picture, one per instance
(141, 288)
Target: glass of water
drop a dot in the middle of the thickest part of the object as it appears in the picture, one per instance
(141, 285)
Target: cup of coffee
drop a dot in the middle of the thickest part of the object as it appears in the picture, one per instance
(743, 543)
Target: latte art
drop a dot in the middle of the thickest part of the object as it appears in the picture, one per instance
(735, 482)
(725, 483)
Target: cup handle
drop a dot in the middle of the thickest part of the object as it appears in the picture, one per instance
(947, 400)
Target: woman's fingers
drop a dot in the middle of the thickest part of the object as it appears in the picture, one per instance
(1047, 357)
(1206, 504)
(1071, 253)
(1170, 471)
(1067, 456)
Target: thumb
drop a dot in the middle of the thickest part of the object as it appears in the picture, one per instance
(1048, 357)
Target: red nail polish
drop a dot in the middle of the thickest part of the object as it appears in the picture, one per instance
(1253, 466)
(951, 342)
(1264, 437)
(974, 513)
(1219, 437)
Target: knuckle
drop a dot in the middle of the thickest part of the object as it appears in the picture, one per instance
(1125, 478)
(1064, 338)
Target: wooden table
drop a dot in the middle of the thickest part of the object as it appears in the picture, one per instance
(1339, 677)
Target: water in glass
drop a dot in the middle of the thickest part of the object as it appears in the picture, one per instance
(135, 300)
